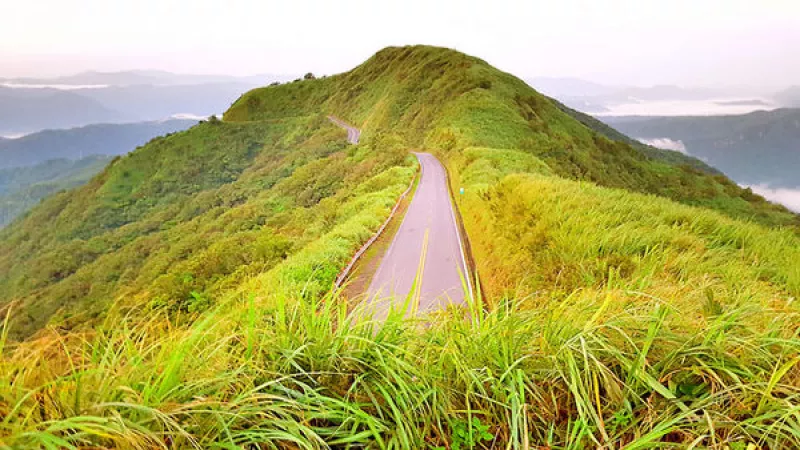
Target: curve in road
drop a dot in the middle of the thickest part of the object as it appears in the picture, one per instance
(353, 133)
(428, 243)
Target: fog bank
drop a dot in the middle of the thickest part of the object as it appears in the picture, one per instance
(785, 196)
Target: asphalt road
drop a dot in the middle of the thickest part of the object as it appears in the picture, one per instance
(353, 133)
(427, 242)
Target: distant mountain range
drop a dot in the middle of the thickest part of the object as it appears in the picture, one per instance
(595, 98)
(75, 143)
(76, 123)
(32, 109)
(757, 148)
(26, 110)
(28, 105)
(142, 77)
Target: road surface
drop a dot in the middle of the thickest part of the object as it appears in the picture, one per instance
(353, 133)
(427, 242)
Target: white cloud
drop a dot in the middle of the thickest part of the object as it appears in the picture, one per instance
(13, 135)
(787, 197)
(666, 144)
(189, 116)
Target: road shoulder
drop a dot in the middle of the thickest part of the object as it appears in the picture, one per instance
(355, 288)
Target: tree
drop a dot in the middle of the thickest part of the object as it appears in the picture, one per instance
(309, 76)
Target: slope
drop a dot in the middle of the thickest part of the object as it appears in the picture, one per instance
(163, 195)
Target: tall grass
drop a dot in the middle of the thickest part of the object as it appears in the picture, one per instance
(299, 374)
(533, 232)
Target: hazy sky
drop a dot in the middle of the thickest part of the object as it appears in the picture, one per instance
(690, 42)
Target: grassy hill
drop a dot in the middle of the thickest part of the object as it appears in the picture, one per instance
(628, 297)
(760, 147)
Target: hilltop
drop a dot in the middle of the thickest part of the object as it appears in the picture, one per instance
(625, 291)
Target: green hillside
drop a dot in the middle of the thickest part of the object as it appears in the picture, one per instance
(166, 224)
(182, 297)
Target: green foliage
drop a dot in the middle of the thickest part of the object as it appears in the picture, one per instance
(547, 233)
(447, 101)
(468, 434)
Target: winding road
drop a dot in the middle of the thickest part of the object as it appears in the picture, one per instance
(425, 262)
(353, 133)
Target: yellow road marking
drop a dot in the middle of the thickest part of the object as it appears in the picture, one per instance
(420, 271)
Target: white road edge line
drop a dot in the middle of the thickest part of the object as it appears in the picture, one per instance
(467, 275)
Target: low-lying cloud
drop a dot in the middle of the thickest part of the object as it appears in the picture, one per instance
(189, 116)
(789, 198)
(666, 144)
(61, 87)
(13, 135)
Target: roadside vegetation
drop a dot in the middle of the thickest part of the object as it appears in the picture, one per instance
(182, 298)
